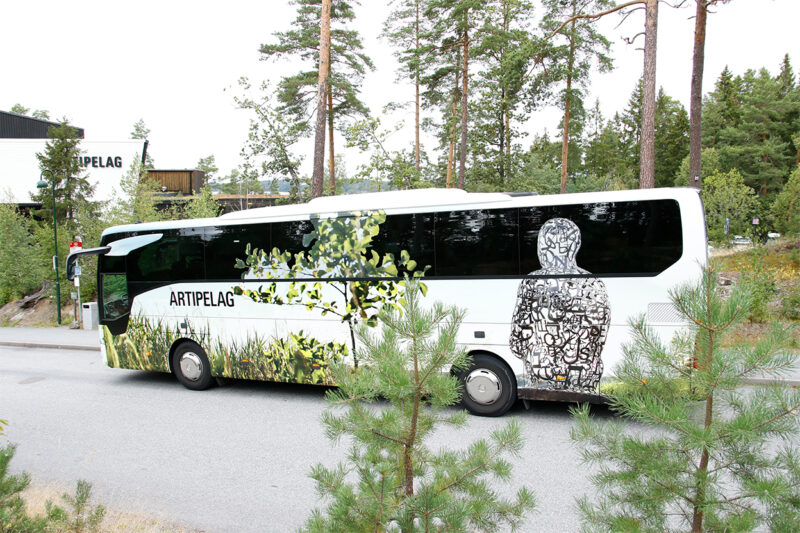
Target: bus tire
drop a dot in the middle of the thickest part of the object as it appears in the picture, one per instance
(190, 364)
(489, 388)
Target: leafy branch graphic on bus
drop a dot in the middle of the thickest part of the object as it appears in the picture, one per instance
(296, 359)
(338, 251)
(560, 323)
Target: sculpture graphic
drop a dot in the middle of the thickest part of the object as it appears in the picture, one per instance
(561, 317)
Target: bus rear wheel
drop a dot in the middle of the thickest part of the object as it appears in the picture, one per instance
(190, 364)
(489, 386)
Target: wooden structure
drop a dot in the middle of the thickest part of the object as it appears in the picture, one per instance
(184, 182)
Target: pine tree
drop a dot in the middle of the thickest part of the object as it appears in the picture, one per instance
(136, 201)
(759, 146)
(584, 47)
(391, 480)
(60, 163)
(347, 64)
(209, 166)
(720, 456)
(722, 108)
(672, 138)
(142, 132)
(405, 28)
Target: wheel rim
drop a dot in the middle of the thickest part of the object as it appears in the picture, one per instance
(483, 386)
(191, 366)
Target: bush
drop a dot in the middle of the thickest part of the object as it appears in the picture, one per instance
(759, 281)
(725, 196)
(786, 208)
(21, 269)
(78, 517)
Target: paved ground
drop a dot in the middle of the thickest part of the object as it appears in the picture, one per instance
(230, 459)
(55, 337)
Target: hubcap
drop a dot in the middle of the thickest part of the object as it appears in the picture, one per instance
(483, 386)
(191, 366)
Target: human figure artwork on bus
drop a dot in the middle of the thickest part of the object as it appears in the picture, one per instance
(560, 323)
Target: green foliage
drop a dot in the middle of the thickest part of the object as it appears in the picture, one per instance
(141, 131)
(393, 167)
(348, 62)
(209, 166)
(268, 151)
(60, 165)
(721, 458)
(790, 303)
(750, 120)
(709, 164)
(391, 480)
(202, 205)
(338, 248)
(786, 208)
(21, 248)
(725, 195)
(20, 109)
(13, 518)
(80, 516)
(759, 281)
(137, 202)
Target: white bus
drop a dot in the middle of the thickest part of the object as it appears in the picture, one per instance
(549, 284)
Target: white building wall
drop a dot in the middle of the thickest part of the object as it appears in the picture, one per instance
(105, 163)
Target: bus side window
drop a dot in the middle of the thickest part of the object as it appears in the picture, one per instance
(178, 256)
(636, 238)
(477, 243)
(115, 296)
(412, 233)
(288, 236)
(225, 244)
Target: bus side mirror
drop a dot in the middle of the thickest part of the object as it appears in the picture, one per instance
(73, 258)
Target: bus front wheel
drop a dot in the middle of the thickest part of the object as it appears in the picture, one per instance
(488, 386)
(190, 364)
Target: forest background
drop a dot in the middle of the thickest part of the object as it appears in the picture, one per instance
(476, 71)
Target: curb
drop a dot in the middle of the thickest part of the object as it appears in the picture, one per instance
(23, 344)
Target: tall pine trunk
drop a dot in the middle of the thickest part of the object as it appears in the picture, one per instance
(696, 98)
(322, 97)
(331, 160)
(416, 83)
(451, 153)
(647, 153)
(462, 164)
(567, 105)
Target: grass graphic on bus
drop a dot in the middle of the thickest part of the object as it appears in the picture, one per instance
(295, 359)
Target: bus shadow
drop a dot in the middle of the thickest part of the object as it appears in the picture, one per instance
(536, 408)
(305, 392)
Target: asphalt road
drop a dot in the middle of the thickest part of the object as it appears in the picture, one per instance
(230, 459)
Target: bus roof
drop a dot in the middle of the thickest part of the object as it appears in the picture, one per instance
(433, 199)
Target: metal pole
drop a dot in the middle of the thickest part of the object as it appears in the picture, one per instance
(55, 239)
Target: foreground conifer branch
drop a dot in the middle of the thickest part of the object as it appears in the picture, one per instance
(706, 452)
(391, 480)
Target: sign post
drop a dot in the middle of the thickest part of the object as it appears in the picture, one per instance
(77, 246)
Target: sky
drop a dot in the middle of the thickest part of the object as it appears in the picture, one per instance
(175, 64)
